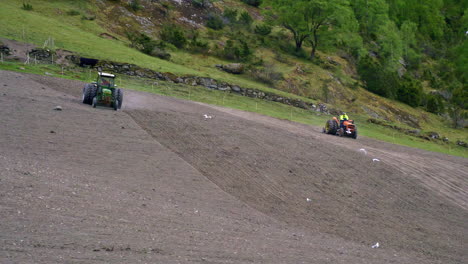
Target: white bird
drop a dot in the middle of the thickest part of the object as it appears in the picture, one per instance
(363, 151)
(308, 199)
(377, 245)
(375, 160)
(207, 116)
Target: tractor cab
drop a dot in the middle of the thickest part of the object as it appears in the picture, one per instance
(106, 80)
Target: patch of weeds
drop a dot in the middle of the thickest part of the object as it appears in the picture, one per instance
(73, 12)
(27, 7)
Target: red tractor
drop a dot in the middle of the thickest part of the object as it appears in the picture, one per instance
(348, 128)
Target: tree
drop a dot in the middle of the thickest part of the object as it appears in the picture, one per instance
(308, 19)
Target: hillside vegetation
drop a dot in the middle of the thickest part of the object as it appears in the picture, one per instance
(403, 63)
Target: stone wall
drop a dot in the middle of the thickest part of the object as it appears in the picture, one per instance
(134, 70)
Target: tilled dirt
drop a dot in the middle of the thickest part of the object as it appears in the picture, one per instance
(160, 183)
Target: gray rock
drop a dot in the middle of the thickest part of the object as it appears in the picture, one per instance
(58, 108)
(236, 89)
(235, 68)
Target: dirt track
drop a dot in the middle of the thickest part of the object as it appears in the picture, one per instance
(158, 183)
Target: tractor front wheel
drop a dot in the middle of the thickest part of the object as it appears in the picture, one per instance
(355, 133)
(341, 132)
(94, 102)
(120, 98)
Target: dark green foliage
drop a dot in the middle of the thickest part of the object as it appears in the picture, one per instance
(410, 92)
(215, 22)
(160, 53)
(255, 3)
(230, 15)
(262, 30)
(27, 7)
(88, 17)
(237, 50)
(435, 104)
(141, 42)
(196, 45)
(173, 34)
(201, 3)
(376, 79)
(245, 19)
(73, 12)
(135, 5)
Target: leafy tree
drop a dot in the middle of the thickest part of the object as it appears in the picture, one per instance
(307, 19)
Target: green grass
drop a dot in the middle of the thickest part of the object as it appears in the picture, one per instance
(231, 100)
(49, 20)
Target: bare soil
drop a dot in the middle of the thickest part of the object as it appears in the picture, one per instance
(159, 183)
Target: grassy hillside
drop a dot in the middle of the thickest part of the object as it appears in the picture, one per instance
(302, 79)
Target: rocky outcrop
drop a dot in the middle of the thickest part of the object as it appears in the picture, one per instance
(234, 68)
(42, 55)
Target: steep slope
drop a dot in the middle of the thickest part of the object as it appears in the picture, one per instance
(158, 182)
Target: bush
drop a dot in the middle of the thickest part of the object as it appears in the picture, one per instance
(173, 34)
(237, 50)
(201, 3)
(435, 104)
(262, 30)
(197, 45)
(214, 22)
(410, 92)
(73, 12)
(141, 42)
(160, 53)
(245, 19)
(255, 3)
(135, 5)
(230, 15)
(267, 74)
(86, 17)
(27, 7)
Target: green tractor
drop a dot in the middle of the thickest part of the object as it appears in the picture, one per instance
(103, 92)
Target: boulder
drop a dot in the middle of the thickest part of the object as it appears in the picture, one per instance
(234, 68)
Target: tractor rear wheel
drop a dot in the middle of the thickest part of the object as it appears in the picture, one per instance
(330, 127)
(89, 91)
(120, 98)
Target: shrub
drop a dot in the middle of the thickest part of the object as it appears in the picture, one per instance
(245, 18)
(141, 42)
(197, 45)
(230, 15)
(27, 7)
(410, 92)
(201, 3)
(90, 17)
(135, 5)
(160, 53)
(255, 3)
(73, 12)
(262, 30)
(267, 74)
(214, 22)
(237, 50)
(174, 35)
(435, 104)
